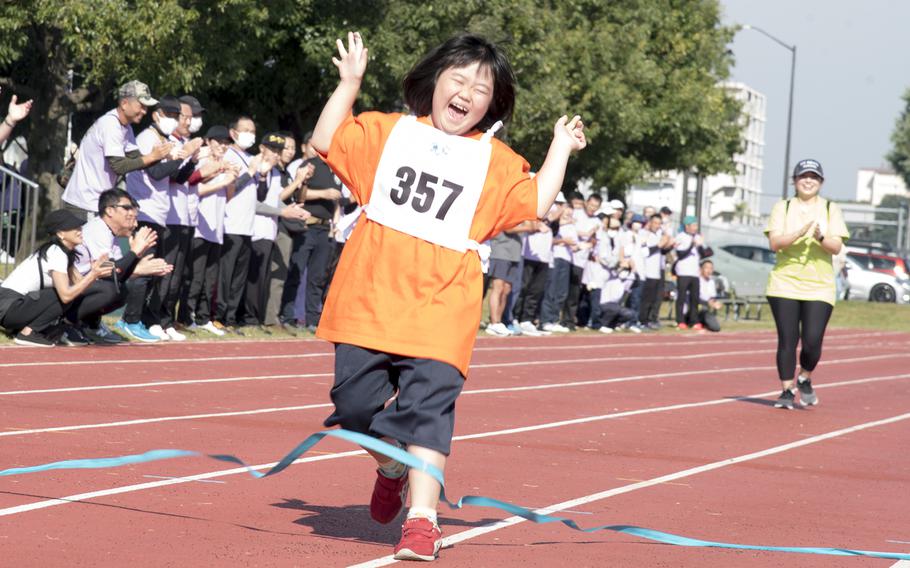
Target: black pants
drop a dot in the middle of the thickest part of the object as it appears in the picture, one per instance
(144, 300)
(687, 294)
(312, 258)
(613, 314)
(533, 284)
(101, 297)
(708, 318)
(649, 300)
(176, 248)
(232, 272)
(258, 282)
(570, 308)
(337, 249)
(795, 320)
(39, 311)
(201, 293)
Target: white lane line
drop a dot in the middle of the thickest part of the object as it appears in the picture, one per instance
(137, 421)
(670, 343)
(511, 521)
(475, 366)
(221, 473)
(901, 564)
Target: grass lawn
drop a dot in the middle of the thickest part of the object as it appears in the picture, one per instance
(856, 315)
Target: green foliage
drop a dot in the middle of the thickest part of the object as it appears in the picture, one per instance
(643, 74)
(900, 153)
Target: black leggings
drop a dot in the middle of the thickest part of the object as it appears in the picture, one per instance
(795, 320)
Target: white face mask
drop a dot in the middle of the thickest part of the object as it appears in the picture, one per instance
(245, 139)
(167, 125)
(195, 124)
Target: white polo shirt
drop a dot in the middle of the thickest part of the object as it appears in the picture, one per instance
(97, 239)
(265, 227)
(179, 193)
(210, 213)
(25, 278)
(687, 266)
(92, 175)
(240, 211)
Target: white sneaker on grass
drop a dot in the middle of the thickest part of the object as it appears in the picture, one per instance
(159, 332)
(211, 328)
(528, 328)
(555, 327)
(174, 335)
(606, 329)
(498, 329)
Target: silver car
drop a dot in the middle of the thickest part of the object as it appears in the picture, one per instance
(746, 267)
(865, 284)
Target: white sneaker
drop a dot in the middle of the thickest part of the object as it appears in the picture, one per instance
(498, 329)
(159, 332)
(555, 327)
(634, 329)
(174, 334)
(210, 327)
(528, 328)
(606, 329)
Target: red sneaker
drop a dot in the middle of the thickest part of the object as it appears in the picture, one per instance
(682, 326)
(420, 540)
(698, 327)
(388, 497)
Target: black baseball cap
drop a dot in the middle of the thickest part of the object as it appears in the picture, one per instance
(170, 104)
(195, 106)
(274, 141)
(807, 166)
(61, 220)
(218, 132)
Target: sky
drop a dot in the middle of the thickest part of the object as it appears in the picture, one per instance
(851, 71)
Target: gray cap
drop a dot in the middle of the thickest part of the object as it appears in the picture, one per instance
(137, 90)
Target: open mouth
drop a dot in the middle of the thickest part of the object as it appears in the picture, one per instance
(456, 111)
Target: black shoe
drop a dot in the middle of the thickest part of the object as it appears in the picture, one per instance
(786, 399)
(806, 393)
(34, 339)
(101, 336)
(72, 337)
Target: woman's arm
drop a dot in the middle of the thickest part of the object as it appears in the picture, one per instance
(351, 63)
(778, 241)
(68, 292)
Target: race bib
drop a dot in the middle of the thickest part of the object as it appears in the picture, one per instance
(428, 183)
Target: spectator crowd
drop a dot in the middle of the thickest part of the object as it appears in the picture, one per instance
(215, 233)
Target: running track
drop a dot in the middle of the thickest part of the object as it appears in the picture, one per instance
(673, 432)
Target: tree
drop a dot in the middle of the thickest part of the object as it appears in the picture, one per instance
(899, 157)
(644, 74)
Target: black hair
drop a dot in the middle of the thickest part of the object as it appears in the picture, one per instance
(656, 216)
(597, 197)
(575, 195)
(460, 51)
(305, 139)
(112, 197)
(71, 255)
(287, 134)
(666, 210)
(236, 122)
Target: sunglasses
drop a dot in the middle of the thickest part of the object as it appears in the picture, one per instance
(126, 208)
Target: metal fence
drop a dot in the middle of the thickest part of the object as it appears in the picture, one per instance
(18, 218)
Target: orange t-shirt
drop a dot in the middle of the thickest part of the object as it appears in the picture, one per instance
(399, 294)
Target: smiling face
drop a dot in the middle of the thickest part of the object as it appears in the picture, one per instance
(461, 98)
(808, 185)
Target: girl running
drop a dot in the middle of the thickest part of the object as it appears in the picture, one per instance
(404, 306)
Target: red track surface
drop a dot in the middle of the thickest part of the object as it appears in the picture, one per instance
(543, 421)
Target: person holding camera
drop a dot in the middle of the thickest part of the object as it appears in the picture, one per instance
(38, 293)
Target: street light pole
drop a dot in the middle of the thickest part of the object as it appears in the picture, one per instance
(792, 49)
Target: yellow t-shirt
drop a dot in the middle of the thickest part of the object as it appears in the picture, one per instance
(804, 270)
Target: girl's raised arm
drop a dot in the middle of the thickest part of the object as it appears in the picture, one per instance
(351, 63)
(568, 136)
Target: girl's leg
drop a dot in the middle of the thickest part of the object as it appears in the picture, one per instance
(786, 317)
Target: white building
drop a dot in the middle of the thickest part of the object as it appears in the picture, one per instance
(726, 199)
(873, 184)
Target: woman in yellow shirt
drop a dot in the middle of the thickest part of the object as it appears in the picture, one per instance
(805, 231)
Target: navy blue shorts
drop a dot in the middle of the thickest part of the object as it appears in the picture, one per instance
(507, 270)
(422, 414)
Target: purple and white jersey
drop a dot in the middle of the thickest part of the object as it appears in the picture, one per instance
(151, 194)
(97, 239)
(92, 175)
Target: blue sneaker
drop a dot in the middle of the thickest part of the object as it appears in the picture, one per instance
(137, 331)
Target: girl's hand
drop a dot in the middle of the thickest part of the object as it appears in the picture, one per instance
(18, 111)
(102, 267)
(570, 133)
(818, 233)
(351, 62)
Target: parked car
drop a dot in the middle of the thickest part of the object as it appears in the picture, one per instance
(745, 267)
(888, 263)
(874, 285)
